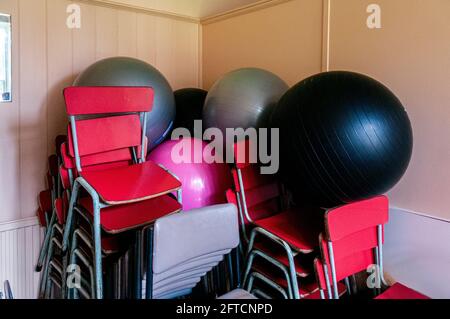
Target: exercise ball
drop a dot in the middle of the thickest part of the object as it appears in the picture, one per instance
(124, 71)
(242, 99)
(203, 184)
(189, 104)
(343, 137)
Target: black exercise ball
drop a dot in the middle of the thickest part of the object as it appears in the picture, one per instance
(124, 71)
(343, 137)
(189, 104)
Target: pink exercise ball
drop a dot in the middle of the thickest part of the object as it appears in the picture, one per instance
(203, 184)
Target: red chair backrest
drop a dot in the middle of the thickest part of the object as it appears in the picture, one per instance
(348, 259)
(353, 231)
(111, 136)
(348, 219)
(108, 100)
(262, 192)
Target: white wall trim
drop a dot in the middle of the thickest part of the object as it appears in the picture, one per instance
(263, 4)
(408, 211)
(116, 5)
(17, 224)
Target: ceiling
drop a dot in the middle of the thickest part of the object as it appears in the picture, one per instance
(197, 9)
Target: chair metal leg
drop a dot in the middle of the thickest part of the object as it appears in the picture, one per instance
(70, 213)
(46, 242)
(149, 282)
(98, 252)
(137, 294)
(46, 266)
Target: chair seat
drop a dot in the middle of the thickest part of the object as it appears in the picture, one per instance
(307, 286)
(342, 289)
(302, 262)
(129, 184)
(399, 291)
(292, 228)
(121, 218)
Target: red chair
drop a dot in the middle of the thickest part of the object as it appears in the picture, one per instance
(105, 128)
(353, 242)
(263, 214)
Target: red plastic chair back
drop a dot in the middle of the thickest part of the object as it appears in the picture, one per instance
(108, 100)
(348, 261)
(262, 192)
(106, 134)
(353, 231)
(349, 219)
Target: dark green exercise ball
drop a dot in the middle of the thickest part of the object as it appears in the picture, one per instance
(343, 137)
(124, 71)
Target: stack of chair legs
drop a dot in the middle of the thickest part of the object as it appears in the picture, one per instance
(49, 214)
(281, 241)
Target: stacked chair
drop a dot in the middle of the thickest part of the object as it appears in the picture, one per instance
(187, 246)
(281, 242)
(353, 242)
(108, 193)
(50, 217)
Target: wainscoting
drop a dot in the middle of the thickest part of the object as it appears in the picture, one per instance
(19, 249)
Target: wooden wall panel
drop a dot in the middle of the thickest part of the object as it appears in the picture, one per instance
(285, 39)
(33, 102)
(165, 47)
(59, 68)
(47, 56)
(84, 43)
(409, 54)
(107, 33)
(146, 38)
(127, 33)
(10, 129)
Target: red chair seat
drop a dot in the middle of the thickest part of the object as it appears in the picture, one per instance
(342, 289)
(124, 185)
(399, 291)
(291, 227)
(302, 263)
(120, 218)
(307, 286)
(115, 243)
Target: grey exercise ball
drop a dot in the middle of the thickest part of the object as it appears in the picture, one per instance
(124, 71)
(243, 98)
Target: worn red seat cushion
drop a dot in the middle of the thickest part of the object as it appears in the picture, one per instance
(120, 218)
(399, 291)
(133, 183)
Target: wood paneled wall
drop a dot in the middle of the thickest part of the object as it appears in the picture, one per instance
(47, 56)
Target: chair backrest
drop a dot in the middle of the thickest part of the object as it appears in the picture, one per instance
(348, 219)
(262, 193)
(353, 236)
(116, 126)
(186, 244)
